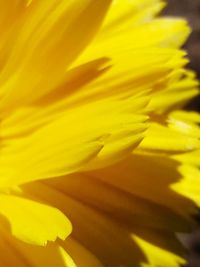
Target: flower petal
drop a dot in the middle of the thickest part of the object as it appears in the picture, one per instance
(52, 255)
(131, 210)
(49, 49)
(18, 253)
(30, 221)
(92, 229)
(163, 139)
(189, 185)
(148, 176)
(73, 139)
(156, 256)
(81, 255)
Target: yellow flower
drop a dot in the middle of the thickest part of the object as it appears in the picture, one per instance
(99, 165)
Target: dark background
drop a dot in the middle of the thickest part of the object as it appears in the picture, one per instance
(190, 9)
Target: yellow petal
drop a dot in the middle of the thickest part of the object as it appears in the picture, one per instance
(191, 158)
(185, 122)
(157, 256)
(148, 176)
(52, 255)
(81, 255)
(9, 257)
(163, 139)
(29, 220)
(73, 139)
(91, 228)
(132, 71)
(96, 230)
(164, 32)
(189, 185)
(129, 209)
(130, 13)
(187, 116)
(38, 162)
(18, 253)
(10, 15)
(28, 118)
(43, 53)
(117, 147)
(181, 87)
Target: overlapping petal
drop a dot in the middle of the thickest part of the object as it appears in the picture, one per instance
(89, 135)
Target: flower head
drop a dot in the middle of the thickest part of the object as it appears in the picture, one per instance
(99, 165)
